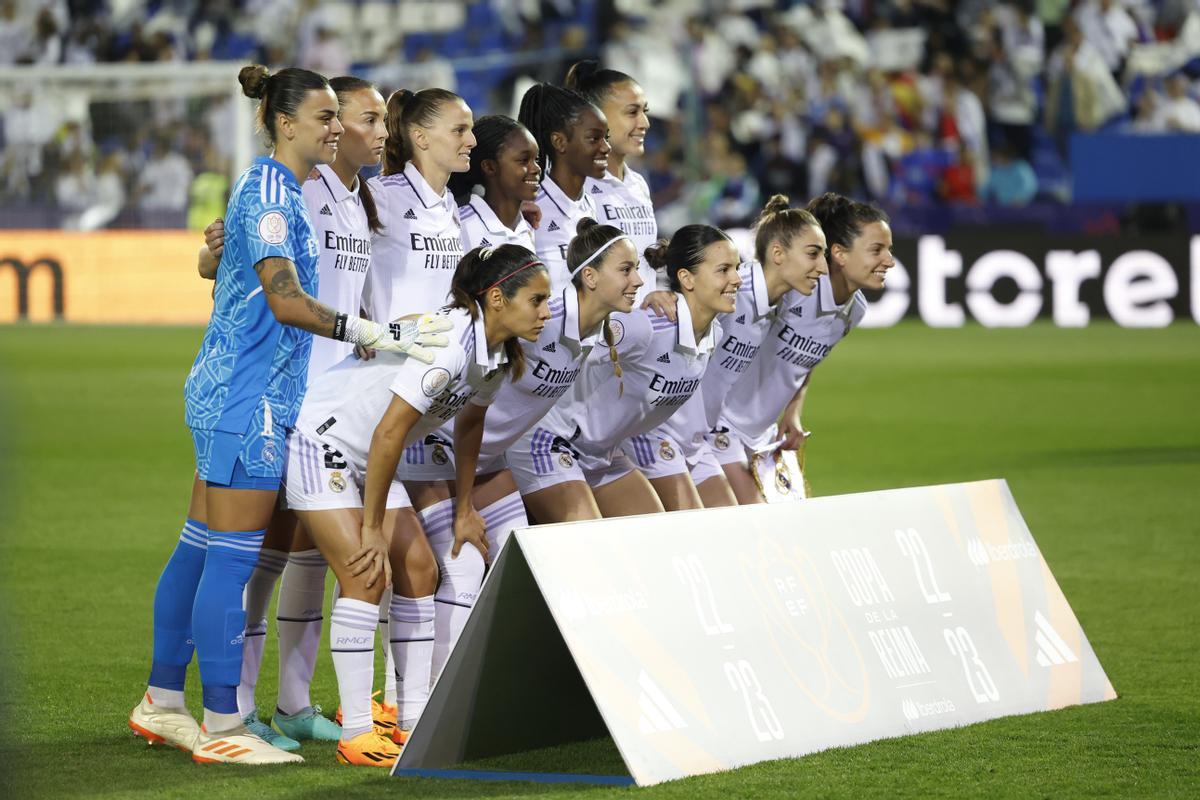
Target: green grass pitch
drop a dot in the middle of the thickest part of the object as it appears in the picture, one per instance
(1096, 430)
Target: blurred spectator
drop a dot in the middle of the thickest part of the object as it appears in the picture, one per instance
(327, 54)
(1108, 28)
(1180, 112)
(1082, 94)
(1011, 181)
(164, 180)
(1148, 116)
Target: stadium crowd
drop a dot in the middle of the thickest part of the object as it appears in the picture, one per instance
(905, 102)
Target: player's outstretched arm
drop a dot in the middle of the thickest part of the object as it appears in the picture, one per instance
(468, 524)
(293, 306)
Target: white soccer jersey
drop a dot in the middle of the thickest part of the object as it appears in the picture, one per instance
(346, 402)
(552, 364)
(804, 330)
(344, 238)
(627, 205)
(414, 256)
(560, 215)
(661, 363)
(742, 334)
(482, 228)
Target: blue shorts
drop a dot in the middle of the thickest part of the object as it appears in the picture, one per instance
(250, 461)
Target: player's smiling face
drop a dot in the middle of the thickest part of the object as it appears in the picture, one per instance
(314, 132)
(628, 118)
(364, 116)
(449, 138)
(866, 263)
(587, 147)
(616, 279)
(803, 262)
(515, 168)
(715, 280)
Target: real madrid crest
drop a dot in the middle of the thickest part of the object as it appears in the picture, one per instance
(439, 456)
(665, 451)
(566, 460)
(336, 482)
(783, 478)
(722, 441)
(268, 452)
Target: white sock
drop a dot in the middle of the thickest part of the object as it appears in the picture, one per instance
(257, 599)
(461, 578)
(502, 518)
(389, 663)
(166, 698)
(412, 646)
(352, 639)
(216, 723)
(298, 617)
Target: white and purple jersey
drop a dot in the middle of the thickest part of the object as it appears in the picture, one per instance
(661, 363)
(344, 405)
(626, 204)
(344, 239)
(560, 215)
(482, 228)
(414, 257)
(804, 331)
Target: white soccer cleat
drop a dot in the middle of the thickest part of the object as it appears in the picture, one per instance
(238, 746)
(157, 725)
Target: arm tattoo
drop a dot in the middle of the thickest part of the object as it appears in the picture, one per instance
(284, 284)
(322, 312)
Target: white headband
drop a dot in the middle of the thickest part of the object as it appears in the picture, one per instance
(597, 254)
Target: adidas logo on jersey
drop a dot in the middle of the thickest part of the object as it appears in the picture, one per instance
(553, 226)
(549, 348)
(665, 358)
(325, 212)
(409, 214)
(741, 319)
(484, 243)
(597, 190)
(796, 311)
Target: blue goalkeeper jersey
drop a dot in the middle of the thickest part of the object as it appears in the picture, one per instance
(252, 370)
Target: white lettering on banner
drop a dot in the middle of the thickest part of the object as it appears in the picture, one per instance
(899, 652)
(913, 710)
(742, 679)
(990, 268)
(788, 588)
(891, 307)
(981, 553)
(934, 265)
(914, 549)
(1067, 271)
(691, 573)
(861, 577)
(1136, 290)
(979, 680)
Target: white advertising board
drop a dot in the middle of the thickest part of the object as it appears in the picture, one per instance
(713, 639)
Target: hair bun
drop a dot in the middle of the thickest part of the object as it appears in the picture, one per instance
(253, 79)
(777, 203)
(585, 224)
(656, 254)
(580, 73)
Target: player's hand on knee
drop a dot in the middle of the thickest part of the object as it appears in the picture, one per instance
(469, 527)
(371, 559)
(661, 303)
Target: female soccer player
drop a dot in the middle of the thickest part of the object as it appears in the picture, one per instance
(570, 465)
(419, 246)
(572, 137)
(242, 394)
(621, 196)
(349, 438)
(802, 334)
(604, 279)
(789, 248)
(504, 164)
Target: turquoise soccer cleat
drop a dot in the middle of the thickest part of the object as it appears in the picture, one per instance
(308, 724)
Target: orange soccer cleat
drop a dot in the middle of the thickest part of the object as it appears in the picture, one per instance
(368, 749)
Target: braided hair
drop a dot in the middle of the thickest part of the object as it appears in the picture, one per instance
(548, 109)
(491, 132)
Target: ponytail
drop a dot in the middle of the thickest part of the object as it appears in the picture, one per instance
(278, 93)
(404, 110)
(547, 109)
(780, 223)
(342, 86)
(685, 251)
